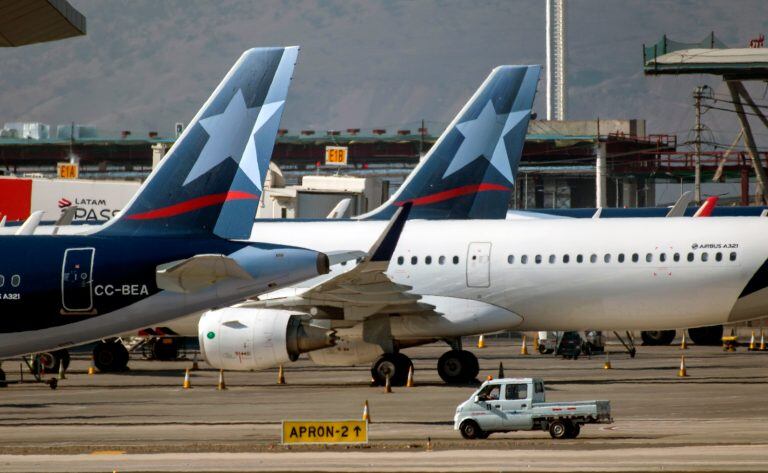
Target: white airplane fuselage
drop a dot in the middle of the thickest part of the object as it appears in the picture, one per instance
(578, 273)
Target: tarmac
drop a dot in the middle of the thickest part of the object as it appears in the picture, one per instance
(142, 420)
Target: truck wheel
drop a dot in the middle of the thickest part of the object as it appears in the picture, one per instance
(458, 367)
(471, 431)
(558, 429)
(653, 338)
(574, 430)
(396, 365)
(110, 356)
(165, 349)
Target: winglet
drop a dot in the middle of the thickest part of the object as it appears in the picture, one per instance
(678, 210)
(707, 207)
(385, 246)
(30, 224)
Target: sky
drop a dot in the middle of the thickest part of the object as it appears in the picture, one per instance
(146, 64)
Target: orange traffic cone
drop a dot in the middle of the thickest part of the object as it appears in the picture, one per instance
(366, 412)
(762, 340)
(187, 384)
(195, 366)
(91, 369)
(752, 345)
(607, 364)
(501, 370)
(409, 383)
(682, 373)
(62, 370)
(387, 385)
(221, 386)
(524, 348)
(684, 342)
(280, 375)
(481, 342)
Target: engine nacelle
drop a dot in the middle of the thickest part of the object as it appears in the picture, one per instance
(238, 338)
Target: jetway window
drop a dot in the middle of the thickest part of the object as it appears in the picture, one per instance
(593, 258)
(690, 257)
(566, 259)
(663, 257)
(676, 257)
(441, 260)
(524, 259)
(414, 259)
(400, 260)
(552, 259)
(538, 259)
(455, 260)
(428, 260)
(607, 258)
(718, 256)
(621, 257)
(705, 256)
(511, 259)
(635, 257)
(649, 257)
(15, 280)
(579, 258)
(732, 258)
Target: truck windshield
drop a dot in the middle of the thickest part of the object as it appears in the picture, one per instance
(517, 391)
(489, 393)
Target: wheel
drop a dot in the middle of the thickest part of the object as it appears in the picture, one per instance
(110, 356)
(559, 429)
(50, 361)
(471, 431)
(657, 337)
(711, 335)
(396, 365)
(458, 367)
(542, 349)
(165, 349)
(574, 430)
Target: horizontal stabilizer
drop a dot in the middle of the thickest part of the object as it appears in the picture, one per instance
(198, 272)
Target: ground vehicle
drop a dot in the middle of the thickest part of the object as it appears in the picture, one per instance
(509, 404)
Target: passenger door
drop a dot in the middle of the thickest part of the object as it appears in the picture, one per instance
(516, 406)
(479, 264)
(77, 280)
(489, 403)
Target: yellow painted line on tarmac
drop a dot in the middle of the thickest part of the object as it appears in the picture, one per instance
(108, 452)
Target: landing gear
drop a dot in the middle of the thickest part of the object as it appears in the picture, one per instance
(657, 337)
(164, 349)
(110, 356)
(711, 335)
(394, 365)
(458, 367)
(629, 344)
(49, 362)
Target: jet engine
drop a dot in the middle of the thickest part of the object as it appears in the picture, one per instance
(238, 338)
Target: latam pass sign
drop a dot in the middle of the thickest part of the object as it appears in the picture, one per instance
(324, 431)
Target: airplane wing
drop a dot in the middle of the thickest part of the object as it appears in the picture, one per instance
(198, 272)
(364, 290)
(66, 218)
(340, 209)
(678, 210)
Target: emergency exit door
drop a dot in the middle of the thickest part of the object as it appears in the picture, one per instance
(479, 264)
(77, 280)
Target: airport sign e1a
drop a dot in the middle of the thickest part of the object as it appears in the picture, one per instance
(336, 155)
(324, 431)
(67, 170)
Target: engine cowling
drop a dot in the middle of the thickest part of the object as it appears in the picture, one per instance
(238, 338)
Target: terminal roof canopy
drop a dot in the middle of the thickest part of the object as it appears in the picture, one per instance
(709, 56)
(25, 22)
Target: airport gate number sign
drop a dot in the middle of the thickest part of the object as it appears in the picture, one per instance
(67, 170)
(335, 431)
(336, 155)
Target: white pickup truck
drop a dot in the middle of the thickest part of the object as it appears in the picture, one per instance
(509, 404)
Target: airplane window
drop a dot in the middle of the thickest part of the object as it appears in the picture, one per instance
(607, 258)
(2, 280)
(663, 257)
(524, 259)
(15, 280)
(455, 260)
(705, 256)
(441, 260)
(400, 260)
(718, 256)
(579, 258)
(566, 258)
(649, 257)
(511, 259)
(690, 256)
(414, 259)
(538, 259)
(551, 259)
(635, 257)
(593, 258)
(343, 263)
(732, 257)
(676, 257)
(621, 257)
(428, 260)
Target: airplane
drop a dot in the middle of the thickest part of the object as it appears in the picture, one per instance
(182, 243)
(450, 278)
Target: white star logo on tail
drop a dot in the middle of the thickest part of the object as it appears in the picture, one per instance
(484, 137)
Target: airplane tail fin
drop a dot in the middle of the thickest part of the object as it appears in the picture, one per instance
(470, 171)
(210, 181)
